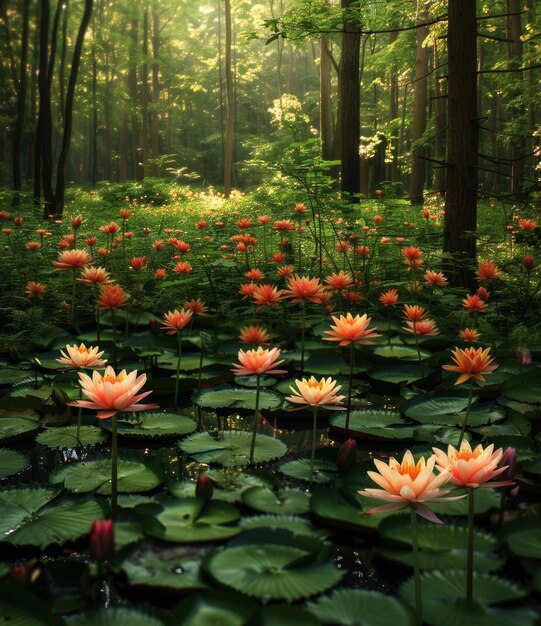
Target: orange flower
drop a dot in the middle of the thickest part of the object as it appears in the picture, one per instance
(254, 335)
(264, 219)
(526, 224)
(471, 363)
(112, 297)
(349, 329)
(472, 468)
(182, 268)
(244, 222)
(353, 297)
(267, 295)
(34, 290)
(110, 229)
(389, 297)
(422, 327)
(362, 250)
(95, 276)
(258, 362)
(339, 281)
(408, 484)
(278, 257)
(435, 278)
(70, 259)
(301, 288)
(469, 334)
(111, 393)
(321, 393)
(196, 306)
(76, 221)
(283, 225)
(412, 256)
(246, 290)
(33, 245)
(125, 213)
(137, 263)
(487, 271)
(181, 246)
(255, 274)
(474, 303)
(176, 320)
(414, 313)
(160, 273)
(81, 356)
(284, 271)
(343, 246)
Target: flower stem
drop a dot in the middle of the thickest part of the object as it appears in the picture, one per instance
(256, 415)
(114, 468)
(465, 423)
(469, 562)
(313, 455)
(302, 338)
(73, 295)
(179, 357)
(418, 351)
(416, 568)
(350, 383)
(113, 323)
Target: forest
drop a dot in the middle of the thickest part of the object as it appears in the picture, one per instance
(270, 350)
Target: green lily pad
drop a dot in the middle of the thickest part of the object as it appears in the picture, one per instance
(399, 373)
(11, 462)
(192, 520)
(360, 607)
(231, 448)
(294, 524)
(485, 500)
(229, 397)
(166, 568)
(300, 469)
(12, 428)
(271, 572)
(344, 510)
(30, 518)
(523, 536)
(213, 607)
(374, 424)
(427, 406)
(154, 425)
(524, 387)
(286, 501)
(448, 559)
(21, 607)
(119, 616)
(87, 476)
(400, 352)
(66, 437)
(284, 616)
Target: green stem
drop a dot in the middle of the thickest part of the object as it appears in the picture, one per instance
(179, 357)
(73, 295)
(313, 454)
(113, 323)
(114, 468)
(350, 382)
(469, 563)
(416, 568)
(418, 351)
(256, 415)
(79, 413)
(302, 337)
(465, 423)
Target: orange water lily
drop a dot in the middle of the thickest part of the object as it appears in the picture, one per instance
(317, 393)
(258, 362)
(174, 321)
(71, 259)
(81, 356)
(301, 288)
(348, 329)
(471, 363)
(408, 483)
(112, 393)
(472, 468)
(254, 335)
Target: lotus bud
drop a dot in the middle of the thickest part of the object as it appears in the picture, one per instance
(25, 573)
(76, 221)
(509, 458)
(203, 488)
(524, 356)
(528, 262)
(379, 193)
(102, 540)
(59, 397)
(347, 455)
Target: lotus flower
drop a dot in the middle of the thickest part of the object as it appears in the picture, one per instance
(258, 362)
(349, 329)
(81, 356)
(317, 393)
(471, 363)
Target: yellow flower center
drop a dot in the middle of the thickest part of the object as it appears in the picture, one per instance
(411, 469)
(466, 455)
(108, 378)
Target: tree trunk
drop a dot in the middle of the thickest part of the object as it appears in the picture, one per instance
(418, 166)
(439, 130)
(349, 102)
(123, 148)
(68, 116)
(393, 113)
(134, 93)
(62, 65)
(459, 244)
(94, 133)
(21, 105)
(154, 136)
(325, 104)
(144, 96)
(229, 129)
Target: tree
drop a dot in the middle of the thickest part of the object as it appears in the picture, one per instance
(230, 100)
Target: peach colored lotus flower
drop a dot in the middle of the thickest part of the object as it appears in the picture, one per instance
(284, 271)
(71, 259)
(471, 363)
(197, 306)
(81, 356)
(389, 297)
(437, 279)
(255, 274)
(301, 288)
(258, 362)
(412, 256)
(110, 229)
(422, 327)
(408, 484)
(267, 295)
(137, 263)
(349, 329)
(112, 393)
(487, 271)
(182, 268)
(34, 289)
(174, 321)
(321, 393)
(254, 335)
(474, 303)
(247, 290)
(472, 468)
(112, 297)
(469, 334)
(95, 276)
(283, 225)
(339, 281)
(414, 313)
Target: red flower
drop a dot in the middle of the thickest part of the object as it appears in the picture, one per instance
(102, 540)
(137, 263)
(112, 297)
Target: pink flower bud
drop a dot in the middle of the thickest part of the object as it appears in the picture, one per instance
(203, 488)
(102, 540)
(524, 356)
(509, 458)
(528, 262)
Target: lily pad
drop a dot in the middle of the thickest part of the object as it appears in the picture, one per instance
(399, 373)
(285, 501)
(360, 607)
(231, 448)
(300, 469)
(119, 616)
(523, 536)
(400, 352)
(213, 607)
(12, 428)
(87, 476)
(229, 397)
(374, 424)
(192, 520)
(294, 524)
(343, 510)
(11, 462)
(525, 387)
(154, 425)
(21, 607)
(66, 437)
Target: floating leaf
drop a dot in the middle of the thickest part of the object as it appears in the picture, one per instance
(300, 469)
(286, 501)
(291, 523)
(219, 608)
(229, 397)
(525, 387)
(150, 425)
(374, 424)
(11, 462)
(523, 536)
(343, 510)
(66, 437)
(231, 448)
(117, 616)
(20, 607)
(399, 373)
(400, 352)
(12, 428)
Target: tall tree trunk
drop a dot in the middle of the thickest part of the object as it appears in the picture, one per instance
(461, 199)
(229, 129)
(144, 95)
(21, 104)
(393, 112)
(439, 129)
(154, 118)
(68, 116)
(418, 166)
(123, 148)
(134, 96)
(62, 64)
(349, 102)
(325, 104)
(94, 132)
